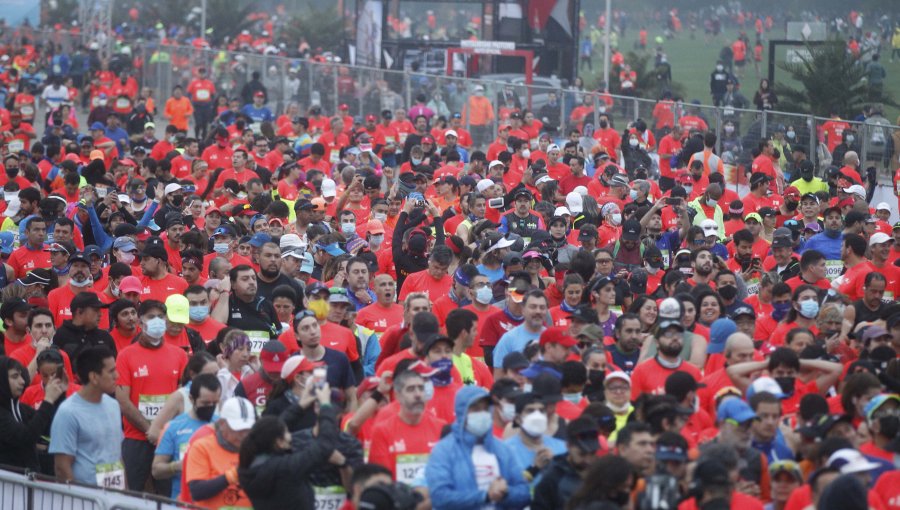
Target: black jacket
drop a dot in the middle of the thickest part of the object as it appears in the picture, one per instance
(21, 427)
(558, 483)
(278, 481)
(330, 475)
(74, 339)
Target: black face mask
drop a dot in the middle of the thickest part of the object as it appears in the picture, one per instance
(728, 292)
(12, 172)
(177, 200)
(205, 413)
(889, 426)
(806, 176)
(791, 206)
(604, 124)
(786, 384)
(594, 388)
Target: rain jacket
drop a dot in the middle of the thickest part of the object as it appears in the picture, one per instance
(451, 475)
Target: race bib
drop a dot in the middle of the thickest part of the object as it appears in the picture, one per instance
(752, 286)
(627, 84)
(123, 103)
(403, 138)
(411, 467)
(16, 145)
(334, 156)
(151, 405)
(888, 297)
(388, 139)
(202, 95)
(256, 127)
(111, 475)
(833, 269)
(257, 340)
(330, 498)
(728, 112)
(95, 101)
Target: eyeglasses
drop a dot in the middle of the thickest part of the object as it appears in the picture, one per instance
(699, 241)
(604, 261)
(617, 389)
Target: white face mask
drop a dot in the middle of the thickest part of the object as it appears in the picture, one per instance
(507, 411)
(379, 216)
(616, 219)
(526, 154)
(376, 240)
(535, 424)
(729, 129)
(633, 142)
(719, 68)
(87, 282)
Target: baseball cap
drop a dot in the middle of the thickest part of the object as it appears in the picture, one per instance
(85, 300)
(877, 402)
(821, 424)
(583, 432)
(618, 180)
(786, 466)
(239, 413)
(177, 308)
(618, 374)
(451, 132)
(766, 212)
(710, 227)
(338, 295)
(882, 206)
(848, 461)
(742, 310)
(631, 230)
(155, 250)
(591, 333)
(515, 361)
(855, 189)
(131, 284)
(765, 384)
(39, 276)
(273, 356)
(653, 257)
(782, 241)
(575, 202)
(879, 238)
(329, 188)
(758, 178)
(332, 249)
(792, 192)
(735, 409)
(711, 472)
(512, 259)
(172, 188)
(753, 216)
(296, 364)
(13, 305)
(558, 335)
(224, 230)
(584, 313)
(259, 239)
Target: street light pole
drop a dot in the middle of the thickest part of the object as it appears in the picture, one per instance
(203, 19)
(606, 54)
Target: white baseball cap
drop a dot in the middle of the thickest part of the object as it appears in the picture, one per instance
(172, 188)
(239, 413)
(484, 184)
(710, 227)
(879, 238)
(575, 202)
(543, 179)
(451, 132)
(561, 211)
(618, 374)
(857, 190)
(329, 188)
(495, 163)
(848, 461)
(882, 206)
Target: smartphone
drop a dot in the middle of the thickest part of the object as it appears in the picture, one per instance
(102, 192)
(418, 199)
(319, 375)
(673, 200)
(495, 203)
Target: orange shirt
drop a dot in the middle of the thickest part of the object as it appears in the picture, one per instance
(423, 282)
(404, 448)
(24, 259)
(179, 112)
(208, 460)
(151, 374)
(341, 339)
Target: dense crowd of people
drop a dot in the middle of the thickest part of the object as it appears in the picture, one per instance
(317, 311)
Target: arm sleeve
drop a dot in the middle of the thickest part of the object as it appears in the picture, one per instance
(206, 489)
(148, 214)
(103, 240)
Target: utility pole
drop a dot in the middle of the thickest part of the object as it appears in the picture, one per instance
(606, 54)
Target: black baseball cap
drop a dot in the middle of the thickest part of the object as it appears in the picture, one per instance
(631, 230)
(85, 300)
(583, 432)
(585, 313)
(653, 257)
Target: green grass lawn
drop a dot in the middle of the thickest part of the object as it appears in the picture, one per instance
(693, 60)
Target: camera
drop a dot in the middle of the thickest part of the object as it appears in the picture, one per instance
(394, 496)
(496, 203)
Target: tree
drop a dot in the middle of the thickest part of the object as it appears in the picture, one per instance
(322, 28)
(831, 80)
(647, 84)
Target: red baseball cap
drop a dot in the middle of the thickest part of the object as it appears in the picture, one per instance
(371, 117)
(296, 364)
(259, 93)
(428, 139)
(343, 106)
(375, 227)
(503, 126)
(273, 356)
(792, 191)
(558, 335)
(367, 384)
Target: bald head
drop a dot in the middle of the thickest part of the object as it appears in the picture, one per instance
(851, 158)
(738, 348)
(714, 191)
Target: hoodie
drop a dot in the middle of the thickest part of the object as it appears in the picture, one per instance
(282, 480)
(450, 472)
(20, 425)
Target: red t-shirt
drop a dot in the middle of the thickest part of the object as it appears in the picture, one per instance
(495, 326)
(404, 448)
(162, 288)
(208, 329)
(58, 301)
(151, 374)
(24, 259)
(888, 489)
(739, 501)
(421, 281)
(650, 376)
(341, 339)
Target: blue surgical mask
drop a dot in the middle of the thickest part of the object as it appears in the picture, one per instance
(633, 194)
(155, 328)
(710, 202)
(479, 423)
(221, 248)
(484, 295)
(348, 228)
(688, 189)
(429, 390)
(809, 308)
(573, 398)
(198, 313)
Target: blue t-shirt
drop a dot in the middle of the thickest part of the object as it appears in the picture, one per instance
(175, 440)
(494, 275)
(92, 433)
(258, 114)
(829, 246)
(514, 340)
(525, 456)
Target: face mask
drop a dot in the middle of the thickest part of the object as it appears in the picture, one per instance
(12, 172)
(633, 194)
(616, 219)
(618, 409)
(376, 240)
(729, 129)
(719, 68)
(526, 154)
(573, 398)
(806, 176)
(889, 426)
(221, 248)
(416, 161)
(177, 200)
(535, 424)
(348, 228)
(604, 124)
(155, 328)
(479, 423)
(429, 390)
(710, 202)
(779, 310)
(786, 384)
(115, 291)
(126, 258)
(809, 308)
(484, 295)
(790, 134)
(526, 388)
(651, 270)
(380, 216)
(633, 142)
(688, 189)
(728, 292)
(443, 377)
(86, 283)
(205, 413)
(507, 411)
(850, 139)
(198, 313)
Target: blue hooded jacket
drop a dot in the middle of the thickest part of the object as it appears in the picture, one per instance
(450, 473)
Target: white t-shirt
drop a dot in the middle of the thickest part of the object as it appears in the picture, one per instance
(487, 469)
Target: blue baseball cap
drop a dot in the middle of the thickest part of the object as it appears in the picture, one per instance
(877, 402)
(97, 126)
(536, 369)
(735, 409)
(332, 249)
(224, 230)
(259, 239)
(7, 239)
(308, 264)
